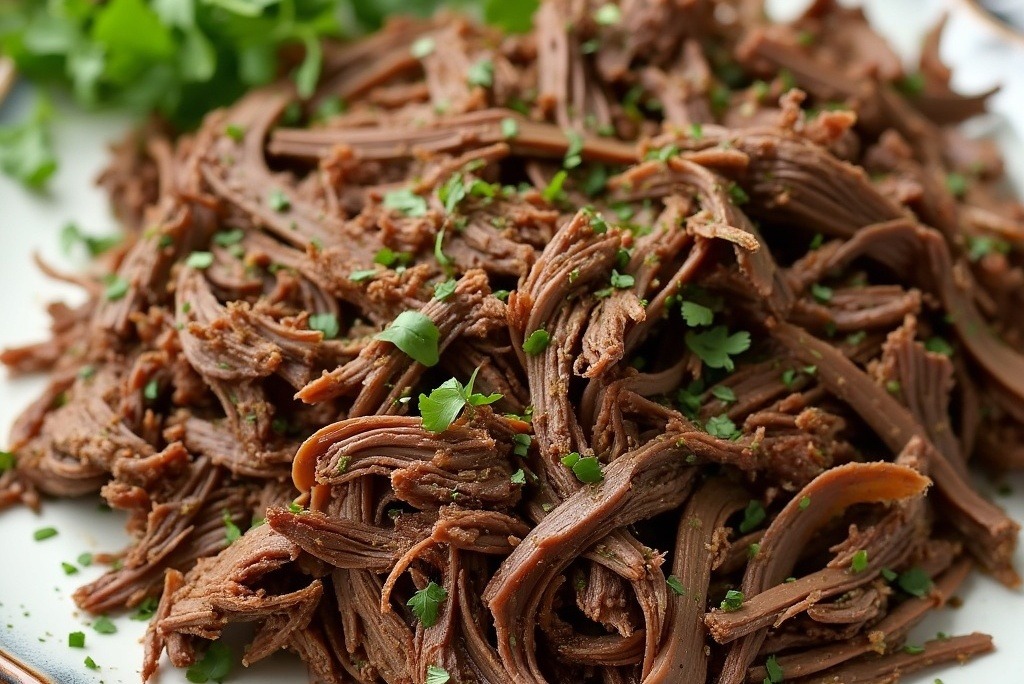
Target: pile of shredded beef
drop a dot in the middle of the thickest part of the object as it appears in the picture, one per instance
(750, 301)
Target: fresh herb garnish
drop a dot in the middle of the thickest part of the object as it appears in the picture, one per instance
(44, 533)
(859, 562)
(956, 183)
(437, 675)
(621, 281)
(607, 15)
(939, 346)
(145, 610)
(536, 342)
(509, 128)
(574, 150)
(716, 347)
(231, 531)
(980, 246)
(26, 148)
(553, 191)
(426, 603)
(518, 477)
(416, 335)
(915, 582)
(676, 585)
(72, 235)
(199, 260)
(586, 468)
(821, 292)
(104, 625)
(737, 195)
(443, 405)
(723, 393)
(422, 47)
(7, 461)
(405, 201)
(481, 73)
(214, 666)
(753, 516)
(804, 504)
(90, 663)
(733, 601)
(444, 289)
(76, 640)
(774, 670)
(697, 315)
(116, 287)
(326, 323)
(362, 275)
(722, 427)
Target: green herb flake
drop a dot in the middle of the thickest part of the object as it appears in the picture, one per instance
(608, 15)
(69, 569)
(822, 293)
(235, 132)
(76, 640)
(443, 405)
(915, 582)
(444, 289)
(733, 601)
(152, 390)
(146, 610)
(716, 347)
(104, 625)
(509, 128)
(913, 650)
(587, 469)
(231, 531)
(326, 323)
(363, 275)
(753, 550)
(859, 562)
(956, 183)
(44, 533)
(90, 663)
(805, 502)
(676, 585)
(278, 201)
(621, 281)
(889, 575)
(536, 342)
(738, 195)
(71, 235)
(774, 670)
(116, 288)
(939, 346)
(84, 559)
(199, 260)
(426, 603)
(574, 150)
(696, 131)
(7, 461)
(437, 675)
(817, 241)
(423, 47)
(518, 477)
(753, 516)
(214, 666)
(481, 73)
(722, 427)
(911, 84)
(416, 335)
(553, 191)
(26, 147)
(723, 393)
(697, 315)
(406, 202)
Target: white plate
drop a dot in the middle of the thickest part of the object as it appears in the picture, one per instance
(36, 611)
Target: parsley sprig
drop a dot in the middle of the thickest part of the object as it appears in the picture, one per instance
(443, 405)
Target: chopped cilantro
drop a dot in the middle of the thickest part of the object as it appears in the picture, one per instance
(116, 287)
(956, 183)
(226, 238)
(76, 640)
(278, 201)
(231, 531)
(913, 650)
(859, 562)
(327, 323)
(104, 625)
(363, 275)
(738, 195)
(817, 241)
(422, 47)
(199, 260)
(573, 152)
(733, 601)
(722, 427)
(437, 675)
(696, 131)
(416, 335)
(774, 670)
(90, 663)
(621, 281)
(821, 292)
(716, 347)
(939, 346)
(911, 84)
(71, 235)
(7, 461)
(675, 585)
(44, 533)
(509, 128)
(805, 502)
(145, 610)
(235, 132)
(405, 201)
(608, 14)
(481, 73)
(553, 191)
(444, 289)
(214, 666)
(697, 315)
(723, 393)
(442, 406)
(69, 569)
(982, 245)
(536, 342)
(522, 446)
(753, 516)
(915, 582)
(26, 147)
(518, 477)
(152, 390)
(586, 468)
(426, 603)
(85, 559)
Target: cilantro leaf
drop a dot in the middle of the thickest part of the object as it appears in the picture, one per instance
(722, 427)
(416, 335)
(675, 584)
(753, 516)
(536, 342)
(104, 625)
(444, 289)
(723, 393)
(733, 601)
(426, 603)
(437, 675)
(71, 235)
(774, 671)
(514, 16)
(214, 666)
(26, 149)
(327, 323)
(442, 406)
(481, 73)
(7, 461)
(696, 314)
(231, 531)
(586, 468)
(406, 202)
(716, 346)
